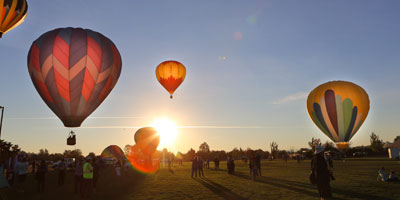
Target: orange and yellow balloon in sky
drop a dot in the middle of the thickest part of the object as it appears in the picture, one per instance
(338, 108)
(12, 14)
(171, 74)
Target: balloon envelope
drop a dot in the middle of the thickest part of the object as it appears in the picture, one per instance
(73, 70)
(171, 74)
(338, 108)
(12, 13)
(147, 139)
(113, 151)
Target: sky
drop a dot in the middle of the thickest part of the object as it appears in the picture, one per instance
(250, 66)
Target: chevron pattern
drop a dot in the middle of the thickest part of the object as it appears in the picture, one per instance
(12, 13)
(73, 70)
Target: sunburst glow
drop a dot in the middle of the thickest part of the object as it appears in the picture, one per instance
(167, 131)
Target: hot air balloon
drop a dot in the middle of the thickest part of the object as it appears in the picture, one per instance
(73, 70)
(338, 108)
(170, 74)
(113, 151)
(12, 14)
(147, 140)
(142, 162)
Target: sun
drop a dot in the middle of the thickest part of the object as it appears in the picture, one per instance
(167, 131)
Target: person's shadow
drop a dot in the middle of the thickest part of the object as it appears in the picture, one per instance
(218, 189)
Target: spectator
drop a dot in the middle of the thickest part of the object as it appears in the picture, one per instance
(320, 173)
(194, 166)
(78, 180)
(41, 176)
(61, 172)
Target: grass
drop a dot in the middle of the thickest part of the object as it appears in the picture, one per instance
(355, 179)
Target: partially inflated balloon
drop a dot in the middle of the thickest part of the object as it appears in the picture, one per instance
(12, 13)
(338, 108)
(147, 139)
(113, 151)
(73, 70)
(170, 74)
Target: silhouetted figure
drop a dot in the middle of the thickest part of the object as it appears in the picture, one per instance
(78, 180)
(61, 172)
(208, 163)
(96, 169)
(200, 167)
(41, 176)
(320, 170)
(216, 163)
(257, 161)
(231, 165)
(33, 166)
(3, 180)
(382, 176)
(194, 166)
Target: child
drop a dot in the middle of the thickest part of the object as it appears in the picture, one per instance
(382, 175)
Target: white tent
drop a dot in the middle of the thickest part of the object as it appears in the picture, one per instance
(394, 148)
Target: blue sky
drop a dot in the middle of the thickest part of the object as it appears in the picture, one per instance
(254, 96)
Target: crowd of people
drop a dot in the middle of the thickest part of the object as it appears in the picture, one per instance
(86, 171)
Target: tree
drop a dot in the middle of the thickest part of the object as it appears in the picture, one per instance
(376, 143)
(189, 155)
(274, 149)
(204, 147)
(313, 143)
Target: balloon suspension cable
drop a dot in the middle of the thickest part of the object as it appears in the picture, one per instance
(170, 96)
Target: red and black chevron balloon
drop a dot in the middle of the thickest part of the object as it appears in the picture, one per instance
(74, 70)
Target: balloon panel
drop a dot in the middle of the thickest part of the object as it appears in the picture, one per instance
(338, 108)
(113, 151)
(12, 13)
(171, 74)
(73, 70)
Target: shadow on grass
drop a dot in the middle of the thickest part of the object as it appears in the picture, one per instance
(294, 186)
(218, 189)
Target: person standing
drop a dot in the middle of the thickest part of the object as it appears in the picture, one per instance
(3, 181)
(320, 172)
(21, 169)
(194, 166)
(96, 169)
(33, 166)
(41, 176)
(87, 178)
(200, 167)
(78, 179)
(257, 163)
(61, 172)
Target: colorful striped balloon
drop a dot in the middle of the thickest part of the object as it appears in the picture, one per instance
(113, 151)
(73, 70)
(338, 108)
(12, 14)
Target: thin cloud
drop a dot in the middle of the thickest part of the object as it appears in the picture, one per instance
(52, 118)
(185, 127)
(293, 97)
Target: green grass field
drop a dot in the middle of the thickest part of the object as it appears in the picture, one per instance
(355, 179)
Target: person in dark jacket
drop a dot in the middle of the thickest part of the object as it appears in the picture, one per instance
(194, 166)
(41, 176)
(319, 168)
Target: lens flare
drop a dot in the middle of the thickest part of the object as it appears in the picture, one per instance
(145, 164)
(237, 36)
